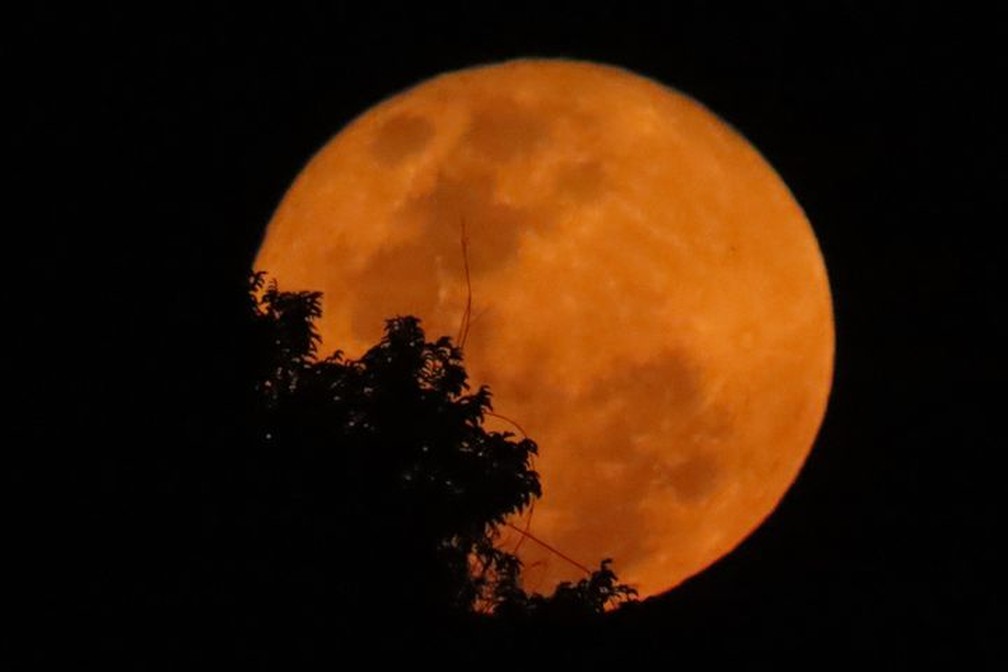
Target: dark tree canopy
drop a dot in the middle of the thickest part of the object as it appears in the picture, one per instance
(373, 481)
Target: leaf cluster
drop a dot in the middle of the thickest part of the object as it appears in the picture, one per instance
(388, 451)
(378, 474)
(570, 601)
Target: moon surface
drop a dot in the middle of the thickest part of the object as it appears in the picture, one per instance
(649, 302)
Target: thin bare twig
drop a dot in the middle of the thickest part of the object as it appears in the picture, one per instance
(551, 549)
(463, 333)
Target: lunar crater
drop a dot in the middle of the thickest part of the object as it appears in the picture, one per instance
(492, 228)
(503, 130)
(694, 478)
(401, 137)
(667, 381)
(580, 182)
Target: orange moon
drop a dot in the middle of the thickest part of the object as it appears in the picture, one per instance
(649, 301)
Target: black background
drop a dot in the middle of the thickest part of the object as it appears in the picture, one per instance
(146, 152)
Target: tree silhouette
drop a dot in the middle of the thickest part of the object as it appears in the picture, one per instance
(373, 481)
(590, 596)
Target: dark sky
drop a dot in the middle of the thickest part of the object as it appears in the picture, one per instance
(148, 151)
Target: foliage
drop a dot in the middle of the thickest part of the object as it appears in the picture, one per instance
(378, 475)
(570, 601)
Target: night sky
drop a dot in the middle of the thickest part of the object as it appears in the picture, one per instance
(148, 151)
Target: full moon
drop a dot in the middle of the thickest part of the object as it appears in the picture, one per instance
(648, 300)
